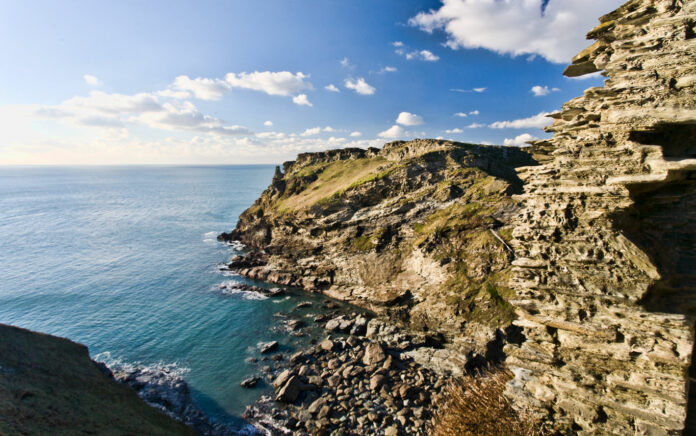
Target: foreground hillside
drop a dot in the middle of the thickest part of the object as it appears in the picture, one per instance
(50, 386)
(415, 231)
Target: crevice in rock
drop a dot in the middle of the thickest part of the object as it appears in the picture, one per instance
(662, 223)
(678, 140)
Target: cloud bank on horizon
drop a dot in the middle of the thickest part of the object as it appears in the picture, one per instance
(427, 79)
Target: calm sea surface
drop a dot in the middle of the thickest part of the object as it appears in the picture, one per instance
(124, 260)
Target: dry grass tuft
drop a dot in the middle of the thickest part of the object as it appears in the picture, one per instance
(475, 406)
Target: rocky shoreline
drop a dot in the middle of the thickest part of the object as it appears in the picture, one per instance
(167, 391)
(349, 384)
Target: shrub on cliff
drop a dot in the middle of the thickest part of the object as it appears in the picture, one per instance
(475, 406)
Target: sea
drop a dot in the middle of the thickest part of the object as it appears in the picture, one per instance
(125, 260)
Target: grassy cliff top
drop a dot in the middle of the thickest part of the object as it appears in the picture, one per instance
(318, 178)
(50, 386)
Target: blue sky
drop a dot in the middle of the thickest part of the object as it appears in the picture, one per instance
(246, 82)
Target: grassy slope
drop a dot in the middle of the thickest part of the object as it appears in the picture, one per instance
(333, 179)
(49, 386)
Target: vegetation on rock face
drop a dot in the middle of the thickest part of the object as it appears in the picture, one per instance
(475, 406)
(408, 231)
(49, 386)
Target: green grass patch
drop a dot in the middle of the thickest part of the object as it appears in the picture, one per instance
(333, 180)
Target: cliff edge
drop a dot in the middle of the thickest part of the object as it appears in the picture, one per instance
(50, 386)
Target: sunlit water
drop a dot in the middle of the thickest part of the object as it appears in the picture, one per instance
(124, 260)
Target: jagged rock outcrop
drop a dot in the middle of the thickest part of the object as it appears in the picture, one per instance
(415, 231)
(606, 243)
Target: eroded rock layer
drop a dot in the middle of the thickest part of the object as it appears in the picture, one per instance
(606, 243)
(415, 231)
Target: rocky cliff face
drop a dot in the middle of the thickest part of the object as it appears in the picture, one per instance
(415, 231)
(606, 242)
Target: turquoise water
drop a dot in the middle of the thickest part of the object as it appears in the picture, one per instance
(124, 260)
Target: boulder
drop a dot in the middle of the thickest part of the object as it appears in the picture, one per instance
(250, 382)
(267, 347)
(290, 391)
(373, 354)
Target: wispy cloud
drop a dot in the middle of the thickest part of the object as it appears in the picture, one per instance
(91, 80)
(280, 83)
(476, 90)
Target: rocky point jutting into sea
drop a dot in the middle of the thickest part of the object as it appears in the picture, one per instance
(577, 269)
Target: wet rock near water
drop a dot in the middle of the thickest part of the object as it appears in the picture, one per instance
(354, 384)
(233, 288)
(166, 390)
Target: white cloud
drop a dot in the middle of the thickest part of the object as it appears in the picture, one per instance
(268, 123)
(271, 135)
(478, 90)
(178, 95)
(311, 132)
(355, 134)
(475, 126)
(393, 132)
(331, 87)
(345, 62)
(456, 130)
(201, 88)
(91, 80)
(427, 55)
(422, 55)
(110, 104)
(360, 86)
(388, 69)
(398, 44)
(301, 100)
(540, 91)
(539, 120)
(185, 116)
(281, 83)
(461, 115)
(331, 129)
(520, 141)
(474, 112)
(517, 27)
(117, 111)
(409, 119)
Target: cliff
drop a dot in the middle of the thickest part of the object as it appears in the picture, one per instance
(49, 385)
(415, 231)
(606, 241)
(589, 249)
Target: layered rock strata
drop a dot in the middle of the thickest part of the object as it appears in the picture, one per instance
(606, 242)
(416, 231)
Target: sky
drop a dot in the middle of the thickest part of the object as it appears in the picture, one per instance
(244, 82)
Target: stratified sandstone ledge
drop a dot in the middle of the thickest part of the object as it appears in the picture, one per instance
(606, 240)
